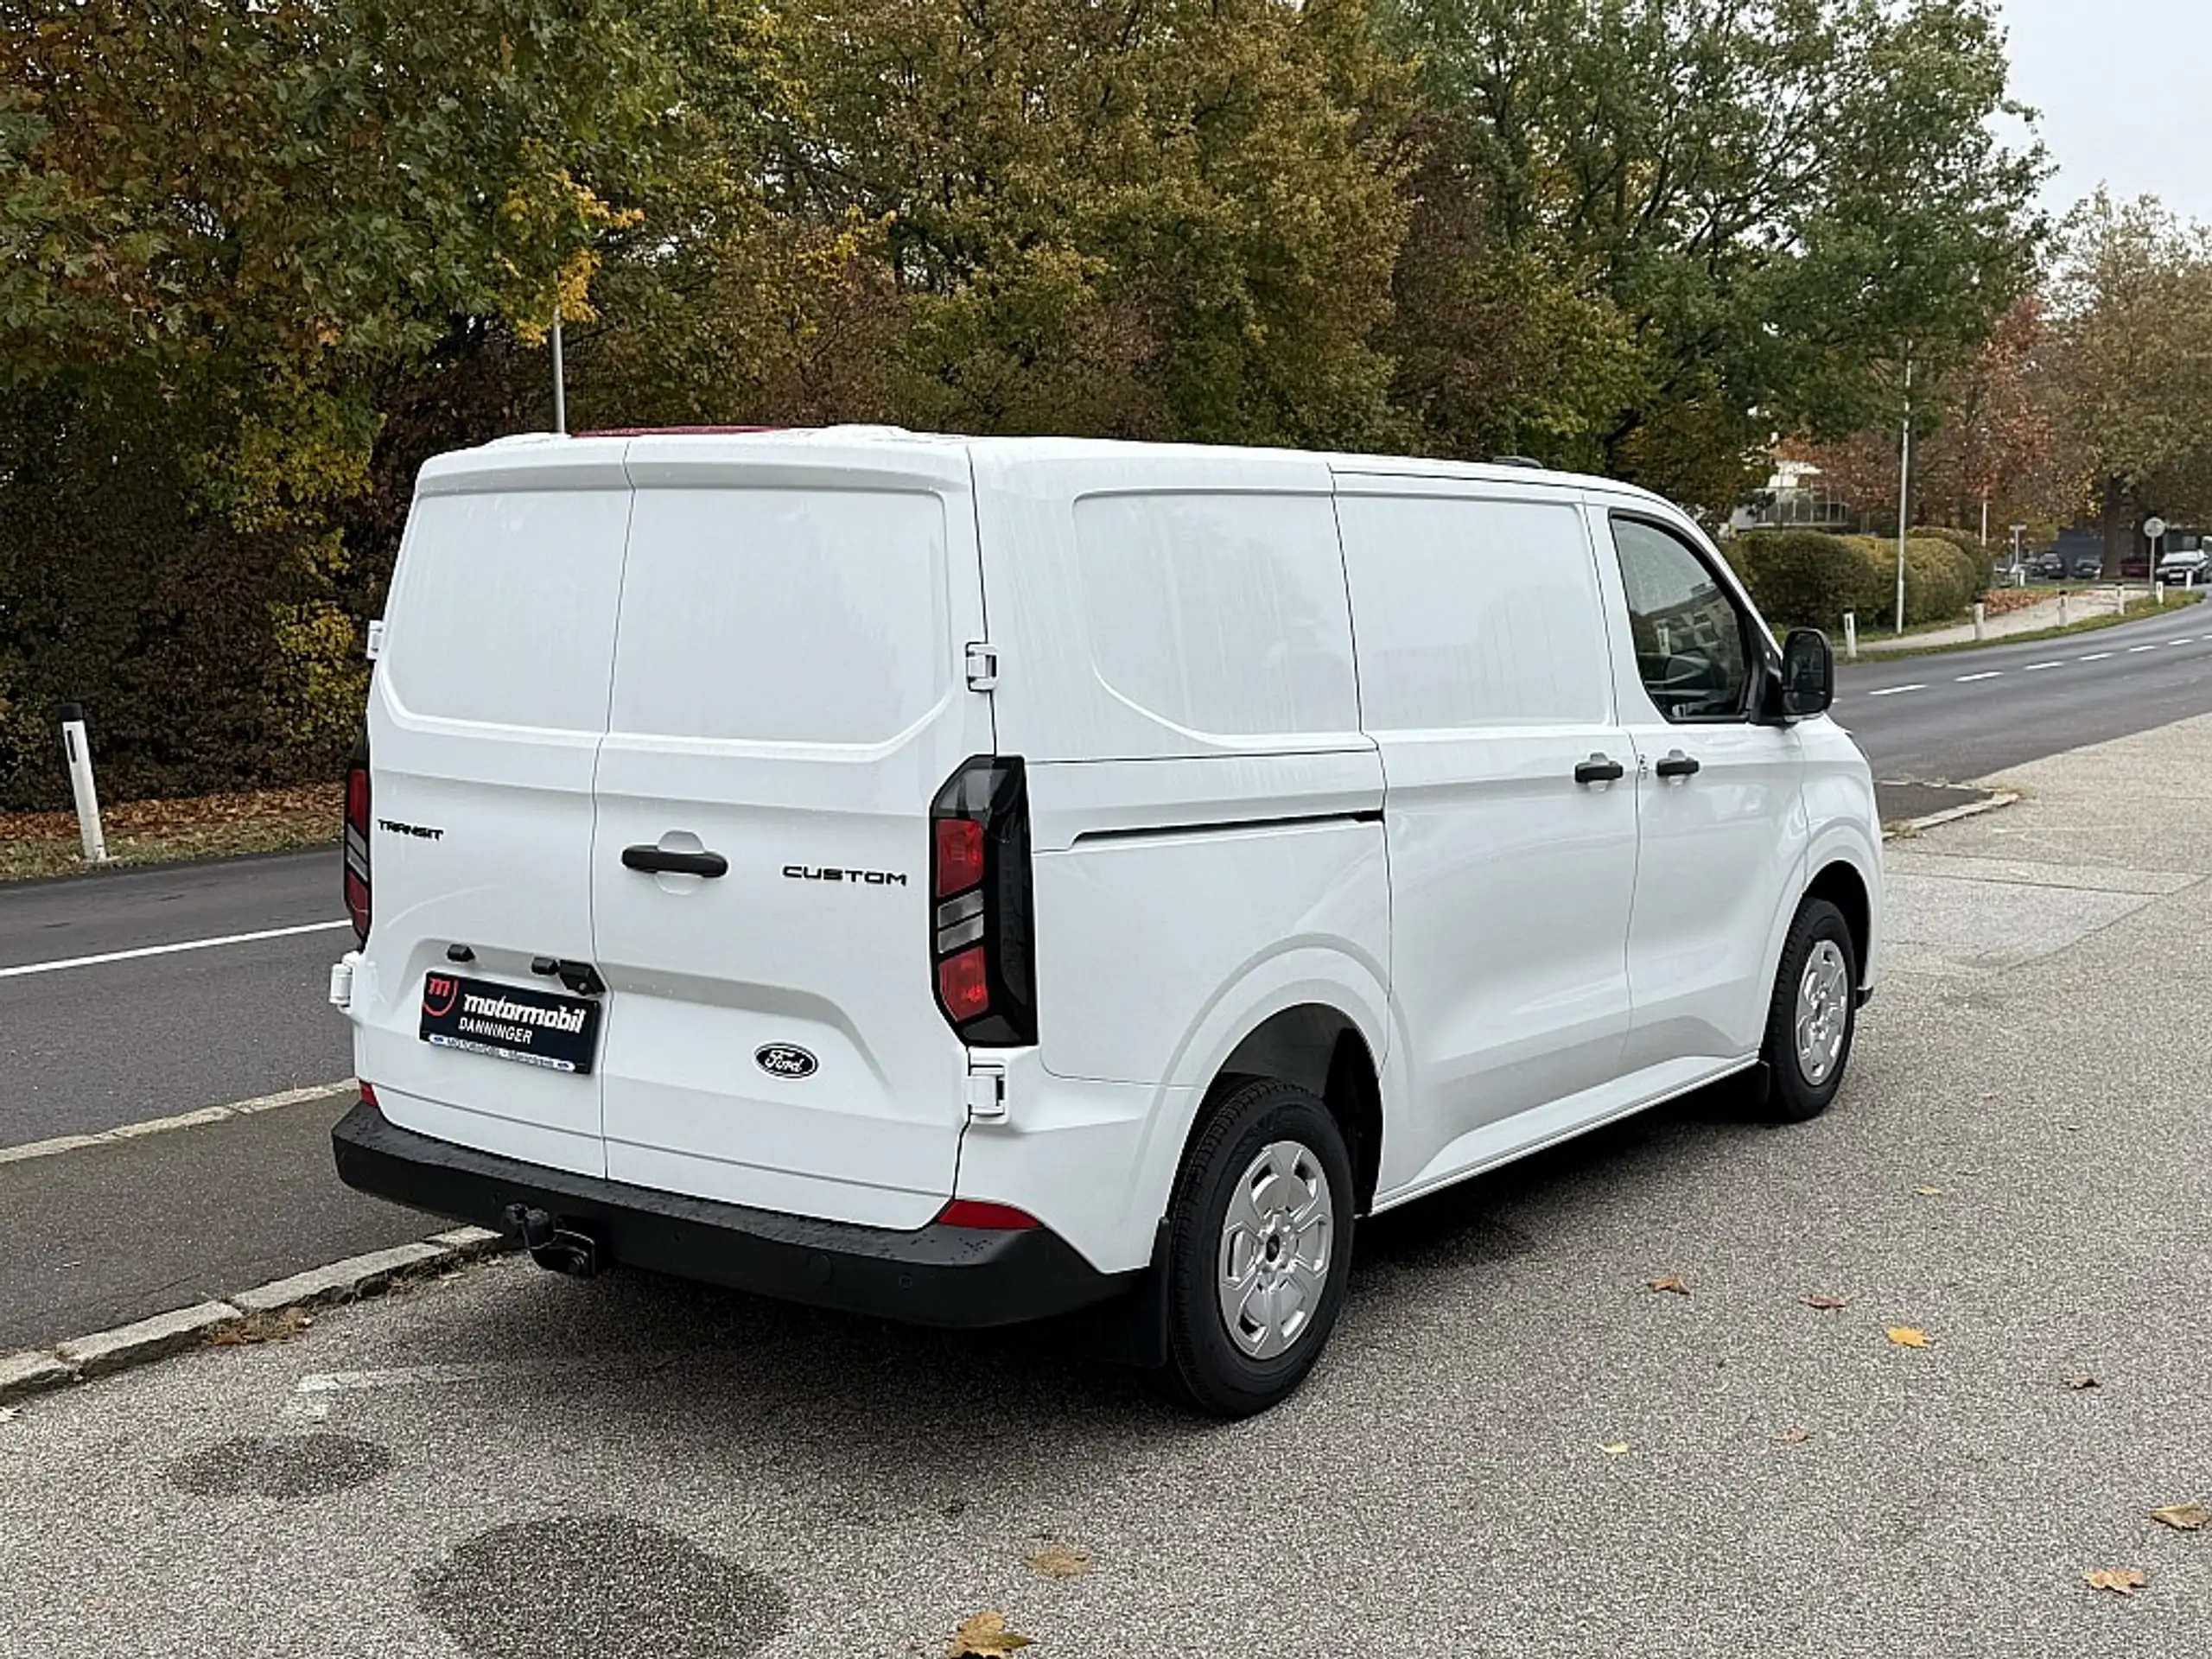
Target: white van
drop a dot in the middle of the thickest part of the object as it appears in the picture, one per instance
(975, 879)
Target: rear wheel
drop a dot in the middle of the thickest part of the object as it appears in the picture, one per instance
(1813, 1015)
(1259, 1249)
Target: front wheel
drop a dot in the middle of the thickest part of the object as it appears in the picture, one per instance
(1813, 1014)
(1259, 1249)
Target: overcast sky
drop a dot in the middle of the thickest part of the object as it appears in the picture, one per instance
(2116, 81)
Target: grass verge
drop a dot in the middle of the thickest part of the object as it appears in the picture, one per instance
(2137, 610)
(139, 833)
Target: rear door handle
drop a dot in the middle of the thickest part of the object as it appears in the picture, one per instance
(657, 862)
(1598, 769)
(1675, 764)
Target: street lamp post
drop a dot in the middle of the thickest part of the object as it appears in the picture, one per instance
(1904, 488)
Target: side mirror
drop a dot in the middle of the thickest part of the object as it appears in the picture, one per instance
(1808, 674)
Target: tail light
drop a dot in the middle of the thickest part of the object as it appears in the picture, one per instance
(982, 945)
(357, 839)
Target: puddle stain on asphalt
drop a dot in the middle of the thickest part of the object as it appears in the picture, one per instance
(281, 1466)
(579, 1588)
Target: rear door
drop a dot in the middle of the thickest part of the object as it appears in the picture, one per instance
(787, 699)
(485, 718)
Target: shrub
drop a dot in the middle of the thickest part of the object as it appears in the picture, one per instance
(1974, 558)
(1806, 578)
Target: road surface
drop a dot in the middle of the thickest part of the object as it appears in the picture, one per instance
(1957, 715)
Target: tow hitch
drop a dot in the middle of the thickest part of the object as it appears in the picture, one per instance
(553, 1247)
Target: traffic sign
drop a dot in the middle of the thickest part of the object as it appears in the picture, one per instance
(2154, 528)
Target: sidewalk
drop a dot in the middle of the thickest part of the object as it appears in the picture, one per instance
(2056, 611)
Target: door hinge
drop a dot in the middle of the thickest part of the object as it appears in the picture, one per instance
(982, 666)
(376, 639)
(986, 1090)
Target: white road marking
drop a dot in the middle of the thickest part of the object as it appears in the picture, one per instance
(1892, 691)
(2132, 649)
(2188, 640)
(1986, 674)
(163, 1125)
(145, 950)
(2093, 656)
(2032, 667)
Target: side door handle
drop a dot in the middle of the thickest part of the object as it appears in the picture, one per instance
(657, 861)
(1598, 769)
(1675, 764)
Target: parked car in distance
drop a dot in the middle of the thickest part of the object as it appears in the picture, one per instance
(2048, 567)
(2088, 567)
(2183, 567)
(1303, 834)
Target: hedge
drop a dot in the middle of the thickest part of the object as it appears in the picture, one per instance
(1809, 578)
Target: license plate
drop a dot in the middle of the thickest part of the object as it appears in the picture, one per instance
(510, 1022)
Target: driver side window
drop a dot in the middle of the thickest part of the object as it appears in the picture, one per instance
(1688, 634)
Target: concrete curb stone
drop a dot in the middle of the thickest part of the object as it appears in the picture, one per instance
(105, 1352)
(142, 1339)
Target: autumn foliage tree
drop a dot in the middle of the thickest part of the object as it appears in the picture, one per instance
(260, 257)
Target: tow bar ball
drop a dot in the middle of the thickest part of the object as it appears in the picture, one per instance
(553, 1247)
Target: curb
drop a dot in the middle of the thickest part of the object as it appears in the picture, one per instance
(2003, 798)
(105, 1352)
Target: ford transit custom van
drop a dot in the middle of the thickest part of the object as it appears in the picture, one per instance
(973, 880)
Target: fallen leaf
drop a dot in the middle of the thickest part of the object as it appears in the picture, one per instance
(1907, 1335)
(7, 1413)
(2182, 1517)
(1794, 1436)
(1816, 1299)
(984, 1636)
(2120, 1580)
(1059, 1560)
(1669, 1282)
(279, 1326)
(1617, 1449)
(2080, 1380)
(1928, 1191)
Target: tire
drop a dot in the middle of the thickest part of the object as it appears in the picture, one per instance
(1288, 1145)
(1801, 1079)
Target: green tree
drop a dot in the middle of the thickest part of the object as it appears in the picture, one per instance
(2130, 367)
(1169, 218)
(1783, 199)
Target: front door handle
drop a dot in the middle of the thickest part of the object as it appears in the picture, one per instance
(656, 861)
(1675, 764)
(1598, 769)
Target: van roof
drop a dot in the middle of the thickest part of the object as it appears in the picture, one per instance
(896, 449)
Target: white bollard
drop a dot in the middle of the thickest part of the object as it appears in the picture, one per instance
(1851, 636)
(1980, 629)
(78, 748)
(2062, 608)
(2158, 592)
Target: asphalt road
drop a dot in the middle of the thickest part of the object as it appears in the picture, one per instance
(1956, 716)
(1514, 1447)
(90, 1047)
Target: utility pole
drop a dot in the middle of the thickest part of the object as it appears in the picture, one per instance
(1904, 487)
(560, 381)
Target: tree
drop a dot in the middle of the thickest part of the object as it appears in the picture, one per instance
(1168, 219)
(1784, 200)
(229, 230)
(2131, 366)
(1982, 433)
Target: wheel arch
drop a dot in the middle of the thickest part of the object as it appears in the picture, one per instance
(1315, 1018)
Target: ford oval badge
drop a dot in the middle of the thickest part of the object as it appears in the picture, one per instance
(785, 1060)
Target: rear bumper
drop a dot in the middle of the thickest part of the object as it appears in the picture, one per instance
(954, 1277)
